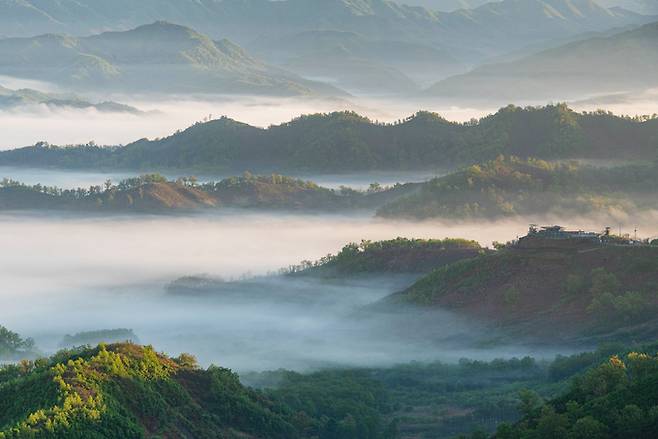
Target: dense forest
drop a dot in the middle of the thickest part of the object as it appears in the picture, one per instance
(347, 142)
(129, 391)
(510, 186)
(125, 390)
(616, 399)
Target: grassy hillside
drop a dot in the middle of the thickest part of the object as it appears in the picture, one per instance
(129, 391)
(552, 293)
(509, 186)
(344, 142)
(159, 57)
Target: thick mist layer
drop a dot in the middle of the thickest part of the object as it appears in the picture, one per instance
(69, 274)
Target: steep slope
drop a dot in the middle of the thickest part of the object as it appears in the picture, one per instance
(620, 63)
(160, 57)
(345, 141)
(555, 290)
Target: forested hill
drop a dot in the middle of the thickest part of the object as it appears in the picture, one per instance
(345, 141)
(154, 193)
(129, 391)
(510, 186)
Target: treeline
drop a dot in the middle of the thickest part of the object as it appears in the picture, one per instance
(503, 187)
(399, 255)
(13, 346)
(347, 142)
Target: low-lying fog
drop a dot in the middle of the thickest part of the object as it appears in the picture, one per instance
(71, 179)
(64, 274)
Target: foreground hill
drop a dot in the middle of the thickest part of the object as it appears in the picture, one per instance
(556, 290)
(623, 62)
(18, 99)
(345, 141)
(509, 186)
(159, 57)
(129, 391)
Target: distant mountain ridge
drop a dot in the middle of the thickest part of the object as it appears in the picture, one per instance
(433, 42)
(151, 58)
(619, 63)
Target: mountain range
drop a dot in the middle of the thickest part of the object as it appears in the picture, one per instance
(151, 58)
(345, 42)
(622, 62)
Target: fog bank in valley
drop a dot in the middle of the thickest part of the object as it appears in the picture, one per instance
(64, 274)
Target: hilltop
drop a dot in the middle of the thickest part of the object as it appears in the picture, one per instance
(158, 57)
(345, 141)
(509, 186)
(568, 290)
